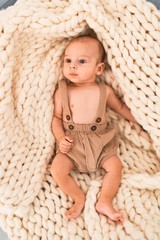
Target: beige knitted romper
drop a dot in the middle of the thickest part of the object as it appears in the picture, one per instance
(93, 143)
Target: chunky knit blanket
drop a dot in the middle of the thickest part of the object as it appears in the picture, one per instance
(33, 35)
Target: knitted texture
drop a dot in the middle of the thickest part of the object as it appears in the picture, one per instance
(33, 36)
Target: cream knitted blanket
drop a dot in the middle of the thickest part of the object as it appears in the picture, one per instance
(33, 35)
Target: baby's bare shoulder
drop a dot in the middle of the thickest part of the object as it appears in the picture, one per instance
(109, 89)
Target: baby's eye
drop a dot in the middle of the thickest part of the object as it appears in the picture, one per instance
(82, 61)
(67, 60)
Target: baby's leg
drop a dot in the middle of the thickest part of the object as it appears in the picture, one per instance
(110, 185)
(60, 169)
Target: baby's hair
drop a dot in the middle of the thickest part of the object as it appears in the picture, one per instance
(100, 45)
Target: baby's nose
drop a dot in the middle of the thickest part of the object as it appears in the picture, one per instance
(73, 65)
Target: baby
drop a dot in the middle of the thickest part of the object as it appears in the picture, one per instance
(84, 141)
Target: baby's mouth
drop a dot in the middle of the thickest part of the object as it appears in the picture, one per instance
(73, 74)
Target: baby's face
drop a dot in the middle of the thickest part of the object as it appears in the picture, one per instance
(81, 61)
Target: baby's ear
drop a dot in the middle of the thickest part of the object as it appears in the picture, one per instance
(100, 68)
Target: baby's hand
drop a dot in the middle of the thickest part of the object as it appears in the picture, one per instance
(65, 144)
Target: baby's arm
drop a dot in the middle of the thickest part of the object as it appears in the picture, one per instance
(118, 106)
(57, 126)
(65, 142)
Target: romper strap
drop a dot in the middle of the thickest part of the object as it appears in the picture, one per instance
(102, 102)
(64, 98)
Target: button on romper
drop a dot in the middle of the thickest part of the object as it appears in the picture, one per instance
(93, 143)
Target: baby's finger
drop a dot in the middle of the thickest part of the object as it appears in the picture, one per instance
(68, 139)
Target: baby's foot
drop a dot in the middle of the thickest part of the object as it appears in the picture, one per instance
(108, 210)
(75, 210)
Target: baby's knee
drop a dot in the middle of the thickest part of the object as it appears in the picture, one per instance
(54, 171)
(113, 164)
(61, 166)
(118, 165)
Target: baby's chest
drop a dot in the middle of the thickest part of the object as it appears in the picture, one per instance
(84, 101)
(83, 106)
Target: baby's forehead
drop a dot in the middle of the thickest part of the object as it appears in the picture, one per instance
(82, 46)
(88, 44)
